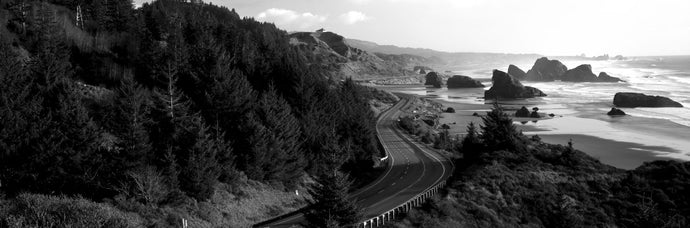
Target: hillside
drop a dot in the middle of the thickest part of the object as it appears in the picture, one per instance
(439, 57)
(124, 117)
(505, 179)
(332, 52)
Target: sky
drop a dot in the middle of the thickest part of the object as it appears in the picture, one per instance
(548, 27)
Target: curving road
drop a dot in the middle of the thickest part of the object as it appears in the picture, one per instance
(412, 169)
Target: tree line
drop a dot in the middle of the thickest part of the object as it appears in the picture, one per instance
(163, 102)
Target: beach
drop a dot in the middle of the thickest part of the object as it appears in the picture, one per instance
(624, 142)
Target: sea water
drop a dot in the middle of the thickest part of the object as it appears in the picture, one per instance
(581, 107)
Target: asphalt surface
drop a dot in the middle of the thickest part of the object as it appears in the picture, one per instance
(412, 170)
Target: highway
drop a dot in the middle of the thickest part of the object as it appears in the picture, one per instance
(412, 169)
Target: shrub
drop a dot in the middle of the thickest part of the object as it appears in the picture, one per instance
(35, 210)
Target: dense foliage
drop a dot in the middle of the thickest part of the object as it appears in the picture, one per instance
(162, 103)
(506, 179)
(332, 207)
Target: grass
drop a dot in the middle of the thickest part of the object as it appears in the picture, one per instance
(35, 210)
(242, 205)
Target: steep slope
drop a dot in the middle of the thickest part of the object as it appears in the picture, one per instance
(331, 51)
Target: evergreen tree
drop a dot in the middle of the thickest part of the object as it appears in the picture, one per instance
(129, 121)
(199, 166)
(68, 155)
(50, 66)
(498, 131)
(20, 119)
(231, 99)
(275, 146)
(471, 144)
(357, 125)
(331, 207)
(173, 133)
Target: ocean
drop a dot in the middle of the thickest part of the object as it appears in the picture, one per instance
(581, 108)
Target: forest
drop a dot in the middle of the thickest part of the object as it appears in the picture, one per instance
(113, 116)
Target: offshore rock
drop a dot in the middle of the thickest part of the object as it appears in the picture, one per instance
(632, 100)
(506, 86)
(546, 70)
(460, 81)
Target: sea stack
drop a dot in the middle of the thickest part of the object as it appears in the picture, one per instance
(546, 70)
(616, 112)
(581, 73)
(516, 72)
(433, 79)
(460, 81)
(633, 100)
(505, 86)
(522, 112)
(604, 77)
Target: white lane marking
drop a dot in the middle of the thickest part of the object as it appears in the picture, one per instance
(389, 167)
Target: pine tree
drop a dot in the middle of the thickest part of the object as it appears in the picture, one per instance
(471, 144)
(68, 156)
(231, 98)
(498, 131)
(356, 126)
(199, 166)
(129, 120)
(172, 135)
(20, 118)
(275, 145)
(50, 66)
(331, 206)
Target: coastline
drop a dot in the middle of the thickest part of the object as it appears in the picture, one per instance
(624, 143)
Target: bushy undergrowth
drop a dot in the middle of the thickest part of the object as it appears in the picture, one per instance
(508, 180)
(36, 210)
(231, 206)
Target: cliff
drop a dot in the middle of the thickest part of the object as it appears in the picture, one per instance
(331, 51)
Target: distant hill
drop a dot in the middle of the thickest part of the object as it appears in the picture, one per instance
(445, 58)
(333, 52)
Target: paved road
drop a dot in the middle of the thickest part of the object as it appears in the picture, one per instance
(413, 169)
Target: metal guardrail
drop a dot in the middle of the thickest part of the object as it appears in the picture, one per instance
(304, 209)
(414, 201)
(389, 215)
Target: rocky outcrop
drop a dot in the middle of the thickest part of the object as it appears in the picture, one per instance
(581, 73)
(632, 100)
(522, 112)
(534, 114)
(516, 72)
(604, 77)
(616, 112)
(546, 70)
(460, 81)
(422, 69)
(450, 110)
(433, 79)
(330, 51)
(506, 86)
(399, 81)
(534, 91)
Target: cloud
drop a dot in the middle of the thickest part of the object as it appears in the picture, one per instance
(288, 19)
(354, 17)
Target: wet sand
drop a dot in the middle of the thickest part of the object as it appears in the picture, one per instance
(624, 155)
(625, 142)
